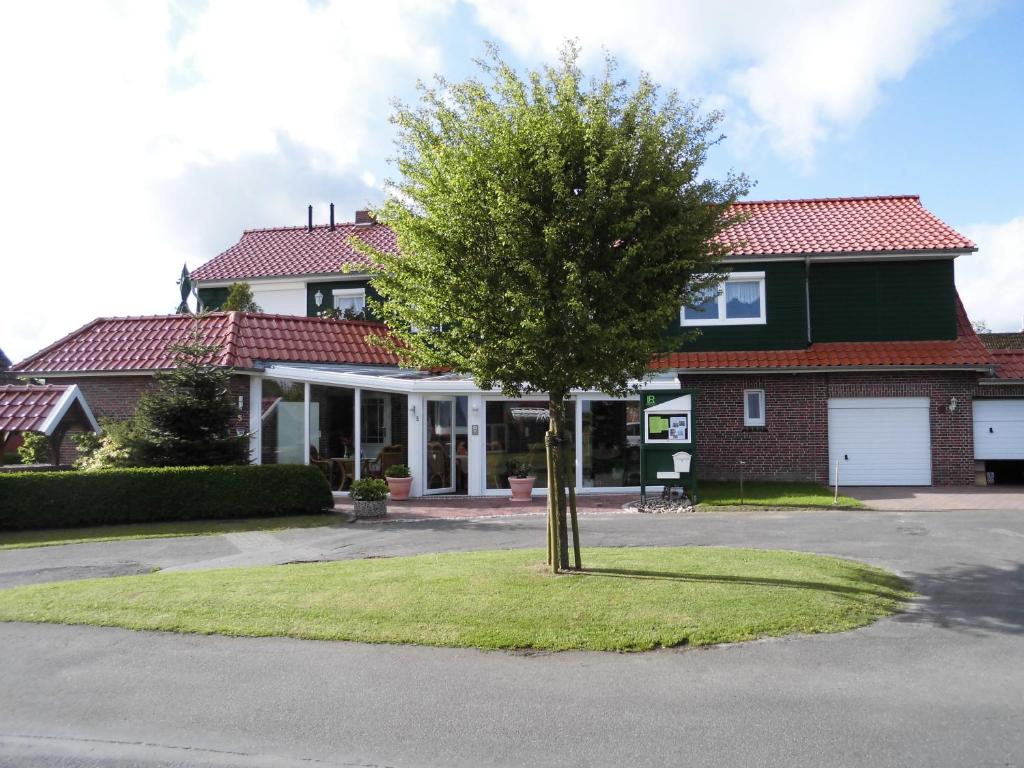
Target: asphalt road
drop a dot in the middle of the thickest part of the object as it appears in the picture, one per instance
(942, 685)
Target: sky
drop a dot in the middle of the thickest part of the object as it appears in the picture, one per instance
(140, 135)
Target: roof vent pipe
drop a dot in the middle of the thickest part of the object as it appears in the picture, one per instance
(309, 224)
(332, 217)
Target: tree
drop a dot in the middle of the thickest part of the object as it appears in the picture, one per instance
(240, 299)
(189, 420)
(548, 230)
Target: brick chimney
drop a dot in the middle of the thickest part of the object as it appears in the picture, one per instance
(364, 217)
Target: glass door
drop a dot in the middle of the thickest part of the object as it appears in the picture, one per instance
(439, 449)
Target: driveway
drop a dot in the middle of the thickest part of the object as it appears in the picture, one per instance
(936, 498)
(942, 685)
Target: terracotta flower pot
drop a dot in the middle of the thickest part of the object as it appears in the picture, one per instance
(399, 487)
(522, 488)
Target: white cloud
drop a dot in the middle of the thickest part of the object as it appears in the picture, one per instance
(797, 71)
(109, 106)
(991, 281)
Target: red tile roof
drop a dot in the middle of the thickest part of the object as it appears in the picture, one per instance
(1009, 363)
(839, 225)
(36, 408)
(140, 343)
(772, 227)
(296, 251)
(965, 351)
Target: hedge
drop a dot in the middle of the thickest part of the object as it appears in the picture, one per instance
(67, 499)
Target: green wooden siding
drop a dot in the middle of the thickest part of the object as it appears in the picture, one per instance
(213, 298)
(312, 310)
(883, 301)
(786, 306)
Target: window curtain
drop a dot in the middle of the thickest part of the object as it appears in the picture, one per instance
(747, 292)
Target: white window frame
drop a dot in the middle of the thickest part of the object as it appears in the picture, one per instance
(735, 277)
(748, 421)
(348, 293)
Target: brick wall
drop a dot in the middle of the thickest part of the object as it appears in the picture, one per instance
(116, 397)
(793, 445)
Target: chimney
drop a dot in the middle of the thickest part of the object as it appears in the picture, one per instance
(309, 224)
(332, 217)
(364, 217)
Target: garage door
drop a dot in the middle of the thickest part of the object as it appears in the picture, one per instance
(999, 429)
(879, 441)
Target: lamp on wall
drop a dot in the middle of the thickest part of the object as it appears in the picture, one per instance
(318, 297)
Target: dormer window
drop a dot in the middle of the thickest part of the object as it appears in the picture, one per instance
(350, 301)
(739, 300)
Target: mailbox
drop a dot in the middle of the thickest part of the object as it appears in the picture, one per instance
(668, 439)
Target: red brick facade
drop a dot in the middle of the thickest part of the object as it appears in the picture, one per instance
(794, 443)
(115, 397)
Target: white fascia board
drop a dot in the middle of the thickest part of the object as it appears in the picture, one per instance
(72, 395)
(848, 256)
(426, 386)
(286, 281)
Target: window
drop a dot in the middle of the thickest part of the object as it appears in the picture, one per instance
(753, 408)
(740, 300)
(350, 301)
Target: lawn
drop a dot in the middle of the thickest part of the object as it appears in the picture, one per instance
(727, 494)
(629, 599)
(54, 536)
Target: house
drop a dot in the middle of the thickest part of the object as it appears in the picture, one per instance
(837, 343)
(55, 411)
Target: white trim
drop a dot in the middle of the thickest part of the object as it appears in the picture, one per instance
(748, 420)
(256, 419)
(306, 399)
(357, 433)
(72, 395)
(286, 280)
(722, 319)
(849, 256)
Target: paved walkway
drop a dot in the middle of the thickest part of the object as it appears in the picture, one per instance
(938, 686)
(1007, 497)
(469, 507)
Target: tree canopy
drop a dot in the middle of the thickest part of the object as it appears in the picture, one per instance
(549, 227)
(240, 299)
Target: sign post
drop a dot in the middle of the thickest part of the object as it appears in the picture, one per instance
(668, 440)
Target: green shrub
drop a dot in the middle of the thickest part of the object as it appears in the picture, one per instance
(11, 458)
(34, 449)
(66, 499)
(369, 489)
(119, 446)
(397, 470)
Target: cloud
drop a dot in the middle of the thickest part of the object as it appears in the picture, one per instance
(991, 281)
(795, 73)
(138, 136)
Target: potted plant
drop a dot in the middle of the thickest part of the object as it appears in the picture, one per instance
(369, 497)
(399, 481)
(521, 482)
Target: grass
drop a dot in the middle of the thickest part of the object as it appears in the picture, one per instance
(629, 599)
(727, 494)
(54, 536)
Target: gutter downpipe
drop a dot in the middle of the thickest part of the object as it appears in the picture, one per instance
(807, 293)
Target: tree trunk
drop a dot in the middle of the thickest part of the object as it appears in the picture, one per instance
(556, 490)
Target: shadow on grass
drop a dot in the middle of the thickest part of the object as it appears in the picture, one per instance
(887, 587)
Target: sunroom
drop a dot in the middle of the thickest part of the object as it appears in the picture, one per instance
(456, 438)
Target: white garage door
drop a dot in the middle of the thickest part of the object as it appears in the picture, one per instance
(879, 441)
(999, 429)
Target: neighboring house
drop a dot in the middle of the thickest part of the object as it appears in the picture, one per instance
(838, 339)
(56, 411)
(297, 270)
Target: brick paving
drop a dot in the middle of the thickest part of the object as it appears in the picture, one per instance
(997, 497)
(465, 507)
